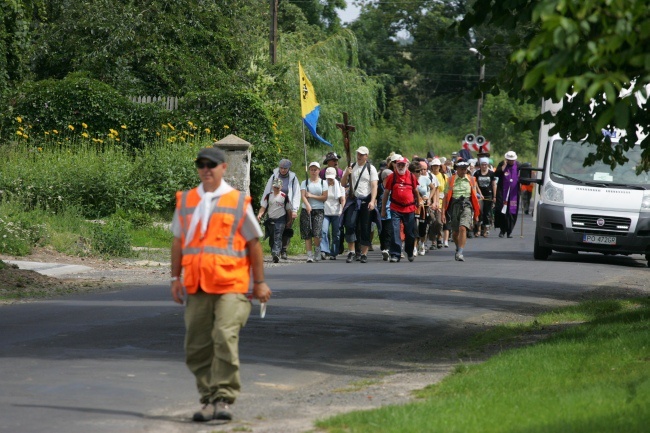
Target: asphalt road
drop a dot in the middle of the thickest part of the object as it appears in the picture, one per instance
(113, 362)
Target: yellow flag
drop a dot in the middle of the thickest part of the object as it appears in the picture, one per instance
(309, 105)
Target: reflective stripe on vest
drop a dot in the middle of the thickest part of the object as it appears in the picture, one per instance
(238, 214)
(217, 261)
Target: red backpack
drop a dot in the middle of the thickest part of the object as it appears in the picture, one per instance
(403, 196)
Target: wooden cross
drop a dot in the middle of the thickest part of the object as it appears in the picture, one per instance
(346, 128)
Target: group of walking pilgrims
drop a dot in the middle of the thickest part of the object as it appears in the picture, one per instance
(413, 206)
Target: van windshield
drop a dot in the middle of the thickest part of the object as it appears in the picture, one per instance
(567, 159)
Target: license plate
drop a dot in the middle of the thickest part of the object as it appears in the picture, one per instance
(597, 239)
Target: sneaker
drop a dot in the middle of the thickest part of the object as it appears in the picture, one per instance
(357, 257)
(411, 258)
(456, 256)
(439, 244)
(423, 250)
(206, 413)
(310, 258)
(364, 258)
(323, 256)
(460, 258)
(433, 247)
(275, 258)
(394, 259)
(501, 234)
(385, 255)
(318, 255)
(332, 257)
(222, 411)
(350, 257)
(283, 255)
(446, 244)
(470, 235)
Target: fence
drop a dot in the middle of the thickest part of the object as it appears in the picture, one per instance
(168, 102)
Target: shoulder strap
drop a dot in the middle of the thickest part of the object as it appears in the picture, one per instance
(360, 174)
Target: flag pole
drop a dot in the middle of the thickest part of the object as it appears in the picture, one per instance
(304, 146)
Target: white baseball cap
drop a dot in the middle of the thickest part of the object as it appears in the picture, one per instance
(314, 164)
(395, 157)
(363, 150)
(330, 173)
(436, 161)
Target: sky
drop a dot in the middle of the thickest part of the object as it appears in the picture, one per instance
(349, 14)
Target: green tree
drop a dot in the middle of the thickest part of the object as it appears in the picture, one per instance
(595, 50)
(155, 47)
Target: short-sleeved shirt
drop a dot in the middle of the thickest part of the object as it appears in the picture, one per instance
(275, 205)
(462, 187)
(424, 186)
(250, 229)
(369, 175)
(316, 188)
(334, 193)
(484, 182)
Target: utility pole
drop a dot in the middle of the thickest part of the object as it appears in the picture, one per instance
(481, 77)
(273, 34)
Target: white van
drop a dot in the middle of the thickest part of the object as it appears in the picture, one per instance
(592, 208)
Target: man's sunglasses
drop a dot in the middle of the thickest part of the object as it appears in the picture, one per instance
(203, 164)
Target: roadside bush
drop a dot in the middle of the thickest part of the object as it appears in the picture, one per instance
(55, 105)
(243, 114)
(20, 231)
(112, 238)
(136, 219)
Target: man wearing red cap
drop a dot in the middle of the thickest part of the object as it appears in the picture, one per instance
(402, 185)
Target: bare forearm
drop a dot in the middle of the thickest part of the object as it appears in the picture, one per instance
(177, 255)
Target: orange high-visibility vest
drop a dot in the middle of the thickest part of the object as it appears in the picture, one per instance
(218, 261)
(450, 191)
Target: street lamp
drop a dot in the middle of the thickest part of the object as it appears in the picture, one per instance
(481, 76)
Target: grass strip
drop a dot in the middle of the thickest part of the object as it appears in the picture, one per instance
(593, 376)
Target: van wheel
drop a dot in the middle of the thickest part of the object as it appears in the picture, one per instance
(539, 252)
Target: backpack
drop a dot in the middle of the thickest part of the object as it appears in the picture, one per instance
(399, 199)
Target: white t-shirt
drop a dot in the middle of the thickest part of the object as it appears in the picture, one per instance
(333, 205)
(275, 205)
(364, 188)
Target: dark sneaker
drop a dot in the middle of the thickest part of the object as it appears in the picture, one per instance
(385, 255)
(350, 257)
(509, 236)
(357, 257)
(460, 258)
(283, 255)
(276, 258)
(222, 411)
(501, 234)
(207, 413)
(439, 244)
(364, 258)
(332, 257)
(411, 258)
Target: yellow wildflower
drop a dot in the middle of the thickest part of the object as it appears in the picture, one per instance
(71, 128)
(114, 132)
(47, 133)
(55, 131)
(117, 139)
(171, 126)
(85, 135)
(158, 133)
(164, 126)
(19, 133)
(189, 122)
(19, 119)
(207, 130)
(123, 126)
(40, 149)
(84, 125)
(226, 127)
(25, 136)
